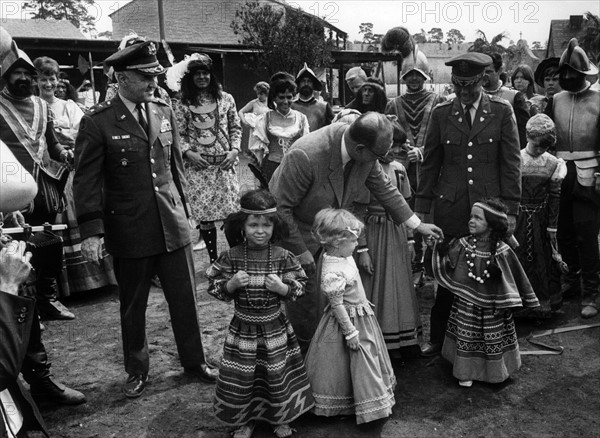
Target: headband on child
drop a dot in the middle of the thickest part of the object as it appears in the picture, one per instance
(353, 231)
(258, 212)
(491, 210)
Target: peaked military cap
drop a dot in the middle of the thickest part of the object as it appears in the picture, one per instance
(468, 68)
(139, 57)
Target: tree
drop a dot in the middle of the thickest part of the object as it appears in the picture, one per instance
(436, 35)
(366, 29)
(590, 40)
(536, 45)
(421, 37)
(283, 39)
(74, 11)
(454, 36)
(482, 45)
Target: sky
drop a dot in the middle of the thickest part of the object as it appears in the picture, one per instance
(532, 18)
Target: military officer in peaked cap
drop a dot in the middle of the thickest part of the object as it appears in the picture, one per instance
(129, 187)
(471, 152)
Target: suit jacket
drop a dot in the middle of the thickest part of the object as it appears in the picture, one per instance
(311, 178)
(129, 186)
(463, 166)
(16, 317)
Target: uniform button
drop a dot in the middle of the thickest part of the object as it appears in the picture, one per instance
(470, 143)
(22, 315)
(447, 141)
(471, 182)
(156, 189)
(23, 309)
(469, 157)
(441, 196)
(153, 175)
(112, 212)
(20, 320)
(122, 150)
(491, 140)
(152, 160)
(470, 169)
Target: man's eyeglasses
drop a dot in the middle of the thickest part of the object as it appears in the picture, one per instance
(384, 156)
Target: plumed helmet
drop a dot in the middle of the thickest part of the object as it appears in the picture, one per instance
(576, 58)
(416, 62)
(397, 40)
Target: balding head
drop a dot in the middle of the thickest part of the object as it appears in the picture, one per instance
(370, 135)
(355, 78)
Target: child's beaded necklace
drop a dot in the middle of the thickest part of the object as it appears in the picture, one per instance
(471, 249)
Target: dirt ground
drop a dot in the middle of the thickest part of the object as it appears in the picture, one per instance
(549, 396)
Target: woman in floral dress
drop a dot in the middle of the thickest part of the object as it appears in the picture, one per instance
(210, 131)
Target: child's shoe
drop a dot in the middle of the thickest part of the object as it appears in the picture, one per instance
(283, 431)
(465, 383)
(245, 431)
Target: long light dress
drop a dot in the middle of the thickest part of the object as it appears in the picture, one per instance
(390, 288)
(344, 381)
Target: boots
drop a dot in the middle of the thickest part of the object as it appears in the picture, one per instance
(36, 372)
(47, 301)
(210, 238)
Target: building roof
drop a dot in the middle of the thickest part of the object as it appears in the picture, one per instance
(37, 28)
(207, 22)
(561, 32)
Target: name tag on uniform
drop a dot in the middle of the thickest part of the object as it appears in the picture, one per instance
(165, 125)
(121, 137)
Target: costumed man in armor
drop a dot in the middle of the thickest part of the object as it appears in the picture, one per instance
(413, 110)
(318, 113)
(27, 129)
(576, 113)
(471, 153)
(129, 187)
(19, 109)
(493, 86)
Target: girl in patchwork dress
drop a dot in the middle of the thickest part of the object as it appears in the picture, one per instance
(347, 362)
(211, 133)
(488, 282)
(262, 375)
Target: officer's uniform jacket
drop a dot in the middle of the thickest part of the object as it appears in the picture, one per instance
(462, 166)
(129, 186)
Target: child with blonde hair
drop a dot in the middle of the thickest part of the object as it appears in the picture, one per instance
(347, 362)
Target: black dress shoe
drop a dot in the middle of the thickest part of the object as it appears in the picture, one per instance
(431, 349)
(54, 309)
(135, 385)
(203, 372)
(48, 390)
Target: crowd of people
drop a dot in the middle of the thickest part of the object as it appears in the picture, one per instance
(322, 256)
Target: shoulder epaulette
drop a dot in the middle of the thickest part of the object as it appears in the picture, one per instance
(99, 107)
(499, 100)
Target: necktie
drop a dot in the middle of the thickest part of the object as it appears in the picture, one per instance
(141, 119)
(347, 169)
(468, 115)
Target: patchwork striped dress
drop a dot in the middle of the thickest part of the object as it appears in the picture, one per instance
(481, 340)
(262, 375)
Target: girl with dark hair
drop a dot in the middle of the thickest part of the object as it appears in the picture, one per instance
(278, 129)
(370, 97)
(488, 282)
(262, 375)
(523, 81)
(211, 133)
